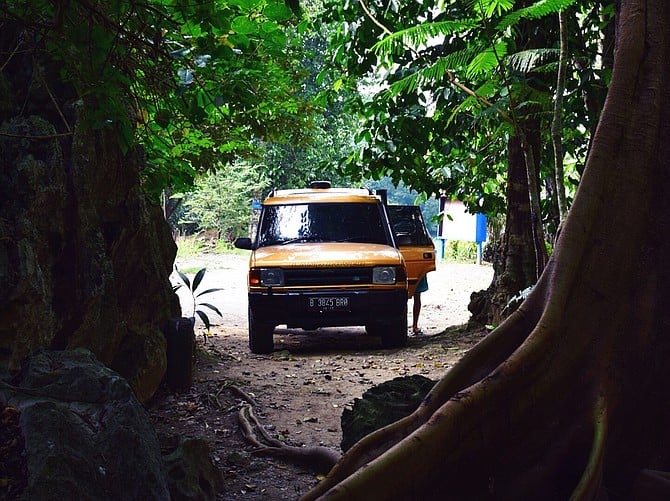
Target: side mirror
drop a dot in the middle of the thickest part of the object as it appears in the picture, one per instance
(243, 243)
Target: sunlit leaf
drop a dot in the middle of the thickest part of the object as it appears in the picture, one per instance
(278, 12)
(245, 4)
(244, 26)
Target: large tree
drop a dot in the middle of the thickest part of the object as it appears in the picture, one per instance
(463, 106)
(568, 397)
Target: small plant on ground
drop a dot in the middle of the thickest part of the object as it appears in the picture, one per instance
(199, 306)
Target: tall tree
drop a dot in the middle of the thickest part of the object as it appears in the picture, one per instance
(458, 84)
(568, 397)
(557, 121)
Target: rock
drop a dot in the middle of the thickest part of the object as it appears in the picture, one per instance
(85, 255)
(84, 262)
(86, 436)
(180, 338)
(191, 473)
(382, 404)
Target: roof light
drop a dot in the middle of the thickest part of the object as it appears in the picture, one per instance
(319, 185)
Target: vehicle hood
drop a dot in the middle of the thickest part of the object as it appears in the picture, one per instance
(325, 255)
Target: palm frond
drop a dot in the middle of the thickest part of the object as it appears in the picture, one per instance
(209, 291)
(536, 11)
(528, 60)
(421, 35)
(468, 104)
(486, 60)
(489, 8)
(456, 62)
(432, 74)
(488, 89)
(197, 279)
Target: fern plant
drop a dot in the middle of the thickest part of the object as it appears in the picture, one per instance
(199, 306)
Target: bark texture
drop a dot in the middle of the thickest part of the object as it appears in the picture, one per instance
(516, 263)
(569, 396)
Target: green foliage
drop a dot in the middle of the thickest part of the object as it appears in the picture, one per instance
(225, 247)
(195, 83)
(450, 81)
(401, 195)
(294, 164)
(189, 247)
(537, 10)
(460, 251)
(222, 199)
(198, 306)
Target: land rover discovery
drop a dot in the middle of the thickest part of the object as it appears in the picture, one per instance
(325, 257)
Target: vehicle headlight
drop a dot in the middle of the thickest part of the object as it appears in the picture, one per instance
(272, 277)
(383, 275)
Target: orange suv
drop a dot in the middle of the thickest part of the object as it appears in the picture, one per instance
(323, 257)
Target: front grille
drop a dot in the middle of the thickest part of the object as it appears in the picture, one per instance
(327, 276)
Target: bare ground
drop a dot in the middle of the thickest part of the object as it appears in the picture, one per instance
(300, 390)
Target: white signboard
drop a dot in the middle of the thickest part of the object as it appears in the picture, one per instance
(458, 224)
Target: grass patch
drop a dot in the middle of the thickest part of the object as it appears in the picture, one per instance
(460, 251)
(190, 270)
(193, 246)
(189, 247)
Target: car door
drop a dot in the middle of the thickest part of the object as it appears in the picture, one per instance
(414, 242)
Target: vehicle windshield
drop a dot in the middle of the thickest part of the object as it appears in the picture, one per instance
(322, 222)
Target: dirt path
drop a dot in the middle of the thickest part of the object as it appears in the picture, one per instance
(302, 388)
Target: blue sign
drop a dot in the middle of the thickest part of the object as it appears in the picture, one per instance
(480, 228)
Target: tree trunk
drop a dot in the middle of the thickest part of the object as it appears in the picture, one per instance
(568, 397)
(557, 121)
(518, 267)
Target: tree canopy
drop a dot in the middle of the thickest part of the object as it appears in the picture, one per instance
(449, 81)
(195, 83)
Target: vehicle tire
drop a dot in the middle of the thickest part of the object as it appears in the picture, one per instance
(395, 334)
(260, 335)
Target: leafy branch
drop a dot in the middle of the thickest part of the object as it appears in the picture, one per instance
(171, 76)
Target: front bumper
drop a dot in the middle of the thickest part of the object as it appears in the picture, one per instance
(363, 307)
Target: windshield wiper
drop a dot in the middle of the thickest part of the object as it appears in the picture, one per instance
(365, 239)
(306, 238)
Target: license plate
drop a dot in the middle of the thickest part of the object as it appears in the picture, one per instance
(328, 303)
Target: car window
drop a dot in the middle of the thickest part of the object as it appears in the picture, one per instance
(408, 221)
(322, 222)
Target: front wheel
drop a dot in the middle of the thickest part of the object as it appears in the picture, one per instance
(395, 333)
(260, 335)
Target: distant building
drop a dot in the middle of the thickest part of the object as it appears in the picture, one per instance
(457, 224)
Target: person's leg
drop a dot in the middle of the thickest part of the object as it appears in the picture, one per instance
(416, 309)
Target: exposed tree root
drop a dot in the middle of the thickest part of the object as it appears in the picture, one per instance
(591, 480)
(242, 394)
(469, 414)
(568, 398)
(317, 459)
(476, 364)
(652, 484)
